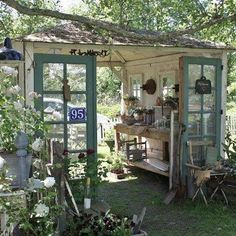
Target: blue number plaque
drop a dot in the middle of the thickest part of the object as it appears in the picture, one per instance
(77, 114)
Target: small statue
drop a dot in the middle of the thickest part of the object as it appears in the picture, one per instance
(66, 90)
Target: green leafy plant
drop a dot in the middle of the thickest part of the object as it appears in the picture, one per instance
(82, 168)
(105, 225)
(117, 163)
(109, 134)
(138, 111)
(230, 150)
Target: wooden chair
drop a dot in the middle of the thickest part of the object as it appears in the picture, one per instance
(201, 176)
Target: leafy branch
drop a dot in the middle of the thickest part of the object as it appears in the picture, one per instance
(147, 36)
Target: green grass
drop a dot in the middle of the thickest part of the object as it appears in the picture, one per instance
(183, 217)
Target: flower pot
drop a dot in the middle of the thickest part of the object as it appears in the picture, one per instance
(117, 174)
(87, 203)
(138, 116)
(18, 168)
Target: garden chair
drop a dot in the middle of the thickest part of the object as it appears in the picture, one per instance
(200, 175)
(136, 151)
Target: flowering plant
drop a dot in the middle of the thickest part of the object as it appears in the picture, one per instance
(14, 115)
(37, 213)
(81, 168)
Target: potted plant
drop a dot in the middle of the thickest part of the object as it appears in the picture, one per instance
(108, 224)
(138, 114)
(130, 100)
(36, 213)
(117, 166)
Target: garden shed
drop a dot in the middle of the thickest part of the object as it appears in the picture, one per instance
(182, 80)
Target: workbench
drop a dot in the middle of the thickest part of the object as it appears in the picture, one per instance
(145, 131)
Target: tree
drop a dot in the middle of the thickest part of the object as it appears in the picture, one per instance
(205, 16)
(15, 24)
(108, 87)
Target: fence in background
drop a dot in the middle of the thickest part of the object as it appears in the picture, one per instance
(105, 126)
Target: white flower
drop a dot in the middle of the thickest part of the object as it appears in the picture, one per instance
(33, 95)
(17, 105)
(35, 184)
(37, 163)
(56, 115)
(2, 162)
(14, 89)
(49, 182)
(9, 70)
(37, 144)
(41, 210)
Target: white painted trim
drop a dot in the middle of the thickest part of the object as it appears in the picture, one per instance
(171, 58)
(29, 70)
(118, 54)
(223, 100)
(171, 49)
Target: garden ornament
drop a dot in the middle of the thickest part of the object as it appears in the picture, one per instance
(8, 53)
(150, 86)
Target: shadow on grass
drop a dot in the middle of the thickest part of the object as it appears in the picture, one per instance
(145, 189)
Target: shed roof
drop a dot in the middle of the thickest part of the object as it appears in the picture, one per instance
(76, 33)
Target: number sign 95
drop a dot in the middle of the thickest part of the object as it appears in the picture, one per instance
(78, 114)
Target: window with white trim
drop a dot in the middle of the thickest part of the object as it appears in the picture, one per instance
(167, 85)
(136, 83)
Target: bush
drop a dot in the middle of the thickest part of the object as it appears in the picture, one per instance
(109, 111)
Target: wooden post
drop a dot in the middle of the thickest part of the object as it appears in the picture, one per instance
(60, 181)
(117, 140)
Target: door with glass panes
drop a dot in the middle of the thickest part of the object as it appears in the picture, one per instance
(201, 111)
(68, 88)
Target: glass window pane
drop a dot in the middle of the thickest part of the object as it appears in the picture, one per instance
(209, 124)
(194, 121)
(52, 77)
(194, 101)
(194, 74)
(76, 75)
(199, 153)
(53, 107)
(56, 132)
(167, 85)
(76, 136)
(210, 73)
(77, 101)
(209, 101)
(136, 84)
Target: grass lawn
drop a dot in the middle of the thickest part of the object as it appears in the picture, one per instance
(182, 217)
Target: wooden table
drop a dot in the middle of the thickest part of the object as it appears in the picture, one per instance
(140, 131)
